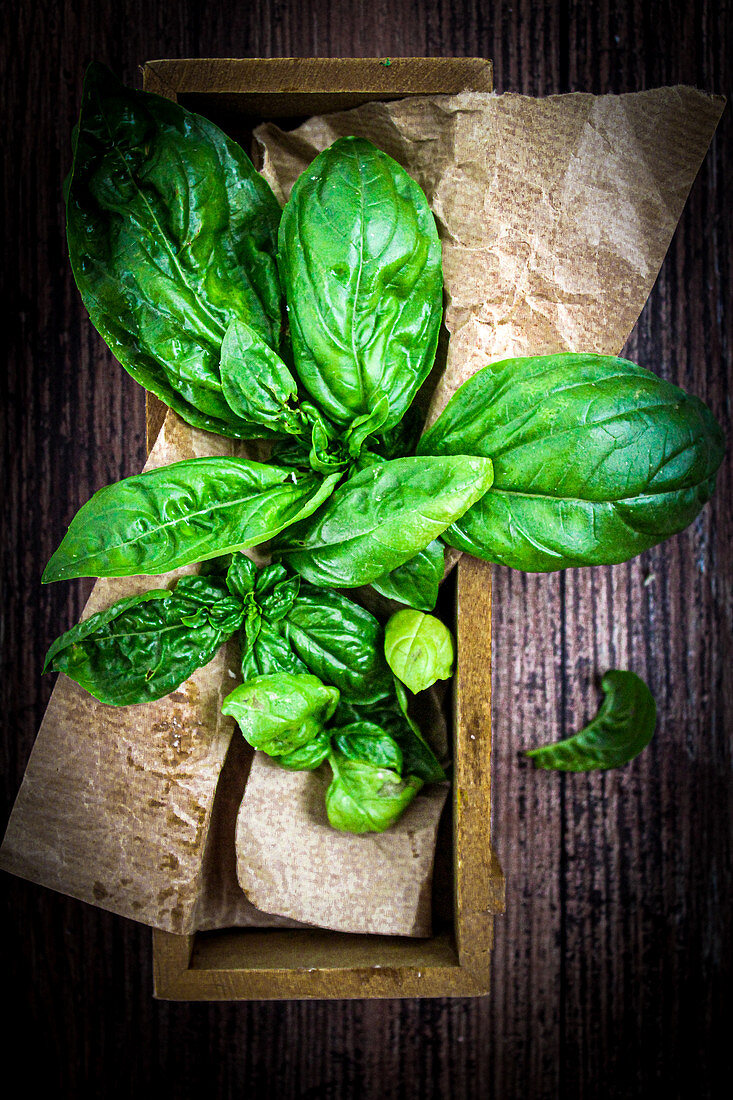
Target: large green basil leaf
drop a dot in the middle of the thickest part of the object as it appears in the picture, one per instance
(623, 727)
(418, 648)
(595, 459)
(141, 648)
(172, 234)
(369, 743)
(257, 385)
(364, 797)
(340, 642)
(187, 512)
(382, 516)
(281, 713)
(360, 261)
(417, 582)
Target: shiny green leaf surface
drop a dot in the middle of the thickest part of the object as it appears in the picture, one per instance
(309, 756)
(367, 742)
(595, 459)
(256, 384)
(282, 712)
(623, 727)
(360, 262)
(419, 649)
(366, 798)
(416, 583)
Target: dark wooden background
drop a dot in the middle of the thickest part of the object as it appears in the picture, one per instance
(612, 967)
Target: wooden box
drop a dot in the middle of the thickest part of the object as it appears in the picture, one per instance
(247, 964)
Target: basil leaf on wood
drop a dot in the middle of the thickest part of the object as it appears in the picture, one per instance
(595, 459)
(257, 385)
(417, 582)
(418, 648)
(623, 727)
(172, 234)
(366, 798)
(143, 647)
(369, 743)
(340, 642)
(382, 516)
(187, 512)
(281, 713)
(360, 262)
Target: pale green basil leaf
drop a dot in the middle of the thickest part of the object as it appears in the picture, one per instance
(418, 648)
(416, 583)
(382, 516)
(623, 727)
(340, 642)
(360, 262)
(369, 743)
(143, 647)
(187, 512)
(309, 756)
(257, 385)
(172, 234)
(595, 459)
(282, 712)
(365, 798)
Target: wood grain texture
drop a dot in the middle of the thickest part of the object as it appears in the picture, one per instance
(611, 971)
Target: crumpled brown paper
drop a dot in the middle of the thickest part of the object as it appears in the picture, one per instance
(555, 216)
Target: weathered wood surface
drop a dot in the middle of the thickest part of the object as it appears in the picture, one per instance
(611, 971)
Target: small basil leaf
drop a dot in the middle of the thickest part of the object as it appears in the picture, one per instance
(340, 642)
(309, 756)
(367, 742)
(187, 512)
(172, 234)
(382, 516)
(365, 798)
(418, 648)
(417, 582)
(257, 385)
(595, 459)
(623, 727)
(282, 712)
(276, 599)
(143, 647)
(269, 653)
(360, 261)
(365, 425)
(241, 575)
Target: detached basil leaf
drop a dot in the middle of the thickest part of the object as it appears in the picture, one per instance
(623, 727)
(268, 653)
(369, 743)
(595, 459)
(417, 582)
(141, 648)
(340, 642)
(256, 383)
(187, 512)
(281, 713)
(359, 259)
(172, 234)
(366, 798)
(418, 648)
(309, 756)
(383, 516)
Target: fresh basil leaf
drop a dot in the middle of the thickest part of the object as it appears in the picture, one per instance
(623, 727)
(595, 459)
(143, 647)
(366, 798)
(417, 582)
(418, 648)
(241, 575)
(369, 743)
(276, 591)
(187, 512)
(366, 425)
(340, 642)
(268, 653)
(281, 713)
(382, 516)
(172, 234)
(309, 756)
(360, 261)
(257, 385)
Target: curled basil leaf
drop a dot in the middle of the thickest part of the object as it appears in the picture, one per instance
(281, 713)
(623, 727)
(309, 756)
(366, 798)
(369, 743)
(418, 648)
(187, 512)
(276, 591)
(257, 385)
(417, 582)
(143, 647)
(360, 261)
(382, 516)
(595, 459)
(172, 234)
